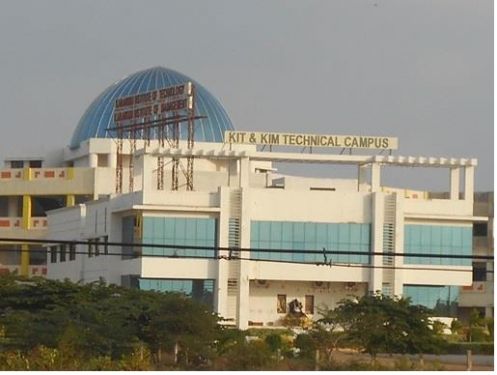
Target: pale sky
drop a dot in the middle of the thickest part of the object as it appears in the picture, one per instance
(419, 70)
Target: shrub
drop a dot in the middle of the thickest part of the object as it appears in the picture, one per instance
(254, 355)
(274, 342)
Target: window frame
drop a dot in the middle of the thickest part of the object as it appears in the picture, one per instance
(106, 244)
(72, 251)
(281, 303)
(479, 272)
(53, 254)
(480, 229)
(309, 307)
(62, 253)
(16, 164)
(90, 248)
(96, 241)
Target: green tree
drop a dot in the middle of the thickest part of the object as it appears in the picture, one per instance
(477, 327)
(274, 342)
(326, 331)
(382, 324)
(456, 327)
(83, 322)
(227, 339)
(175, 320)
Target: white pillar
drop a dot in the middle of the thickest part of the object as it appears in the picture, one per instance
(93, 160)
(398, 285)
(362, 177)
(469, 183)
(146, 165)
(244, 172)
(377, 219)
(244, 281)
(221, 294)
(112, 160)
(454, 183)
(375, 177)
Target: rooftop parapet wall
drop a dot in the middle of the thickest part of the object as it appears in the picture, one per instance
(315, 206)
(438, 209)
(46, 181)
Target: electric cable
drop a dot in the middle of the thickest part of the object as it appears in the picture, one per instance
(50, 242)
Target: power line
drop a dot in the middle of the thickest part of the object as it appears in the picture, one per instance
(361, 265)
(261, 250)
(326, 262)
(229, 257)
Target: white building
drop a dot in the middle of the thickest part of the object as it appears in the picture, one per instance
(240, 202)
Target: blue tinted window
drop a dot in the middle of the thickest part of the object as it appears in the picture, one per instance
(305, 237)
(198, 289)
(442, 299)
(179, 231)
(437, 240)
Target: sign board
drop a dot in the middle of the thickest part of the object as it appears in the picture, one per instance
(130, 110)
(311, 140)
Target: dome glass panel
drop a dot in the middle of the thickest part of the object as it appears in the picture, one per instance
(99, 115)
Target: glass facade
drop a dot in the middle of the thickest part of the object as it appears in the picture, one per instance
(442, 299)
(197, 289)
(290, 235)
(437, 240)
(179, 231)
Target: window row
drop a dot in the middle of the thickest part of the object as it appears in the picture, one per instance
(174, 228)
(310, 242)
(67, 252)
(62, 253)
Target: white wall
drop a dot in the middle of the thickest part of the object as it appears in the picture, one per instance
(263, 297)
(438, 207)
(84, 222)
(178, 268)
(312, 206)
(260, 270)
(437, 275)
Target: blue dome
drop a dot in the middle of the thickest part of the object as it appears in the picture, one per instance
(99, 115)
